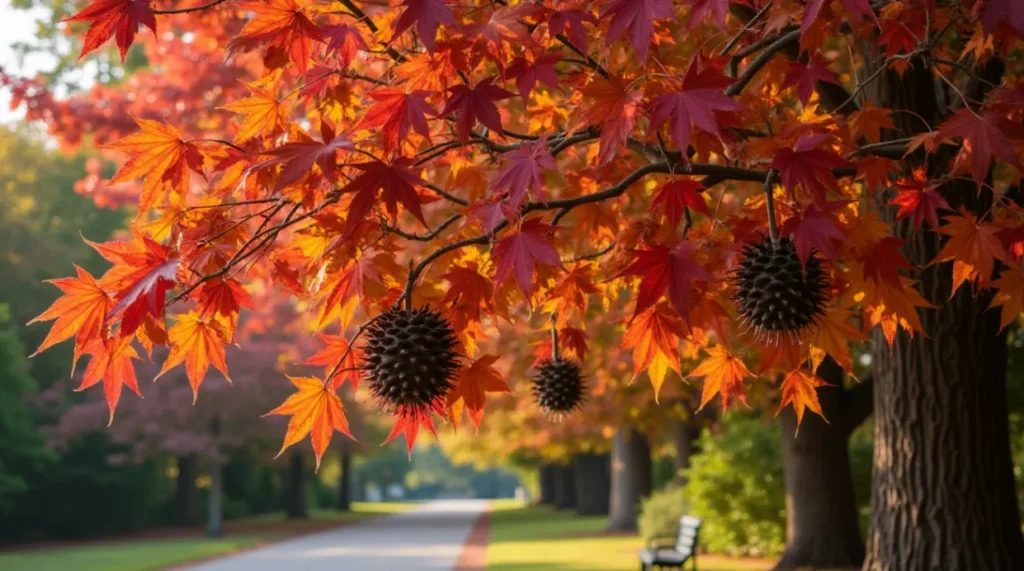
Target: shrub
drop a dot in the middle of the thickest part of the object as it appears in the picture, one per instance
(660, 513)
(736, 486)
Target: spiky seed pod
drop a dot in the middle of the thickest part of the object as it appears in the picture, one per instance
(410, 357)
(776, 294)
(559, 387)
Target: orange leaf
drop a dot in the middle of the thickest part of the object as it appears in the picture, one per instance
(831, 338)
(798, 389)
(265, 115)
(81, 312)
(279, 23)
(1009, 295)
(472, 384)
(314, 409)
(158, 155)
(723, 373)
(198, 341)
(655, 331)
(112, 363)
(973, 248)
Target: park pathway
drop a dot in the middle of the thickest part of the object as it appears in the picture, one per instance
(428, 537)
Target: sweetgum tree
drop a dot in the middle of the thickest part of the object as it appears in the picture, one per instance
(761, 182)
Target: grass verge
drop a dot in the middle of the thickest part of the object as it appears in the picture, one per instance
(531, 538)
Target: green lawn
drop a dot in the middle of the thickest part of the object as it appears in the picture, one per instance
(541, 539)
(157, 553)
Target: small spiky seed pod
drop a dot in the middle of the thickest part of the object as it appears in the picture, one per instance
(410, 357)
(776, 294)
(559, 387)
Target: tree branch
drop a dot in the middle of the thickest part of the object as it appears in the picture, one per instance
(187, 10)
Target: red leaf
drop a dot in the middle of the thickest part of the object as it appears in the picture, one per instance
(471, 289)
(983, 136)
(472, 384)
(395, 112)
(816, 229)
(114, 17)
(812, 12)
(528, 73)
(808, 166)
(473, 104)
(883, 261)
(395, 179)
(299, 158)
(523, 173)
(679, 194)
(570, 22)
(664, 269)
(806, 77)
(1012, 11)
(281, 24)
(701, 9)
(638, 17)
(574, 340)
(408, 421)
(693, 105)
(143, 272)
(914, 198)
(615, 110)
(427, 15)
(522, 250)
(343, 42)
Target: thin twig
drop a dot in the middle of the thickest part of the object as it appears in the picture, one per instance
(187, 10)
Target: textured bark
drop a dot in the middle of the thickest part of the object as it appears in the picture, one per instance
(345, 483)
(631, 477)
(943, 493)
(593, 483)
(565, 488)
(186, 495)
(295, 493)
(546, 484)
(822, 529)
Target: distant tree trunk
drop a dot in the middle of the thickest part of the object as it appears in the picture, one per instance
(943, 494)
(565, 487)
(345, 483)
(186, 496)
(631, 477)
(295, 494)
(684, 439)
(546, 483)
(822, 528)
(215, 509)
(593, 483)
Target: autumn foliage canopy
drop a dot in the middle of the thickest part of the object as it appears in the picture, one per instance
(585, 162)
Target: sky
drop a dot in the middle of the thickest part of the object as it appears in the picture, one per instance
(18, 26)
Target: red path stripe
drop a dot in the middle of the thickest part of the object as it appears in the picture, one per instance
(474, 551)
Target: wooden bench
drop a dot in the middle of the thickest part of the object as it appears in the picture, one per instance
(673, 555)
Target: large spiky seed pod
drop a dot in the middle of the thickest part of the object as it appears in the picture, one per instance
(776, 294)
(558, 386)
(409, 357)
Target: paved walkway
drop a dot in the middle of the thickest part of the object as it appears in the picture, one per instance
(428, 537)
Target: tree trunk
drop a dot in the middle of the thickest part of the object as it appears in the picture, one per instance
(345, 483)
(546, 484)
(684, 440)
(822, 529)
(631, 477)
(215, 507)
(295, 494)
(565, 488)
(943, 493)
(186, 497)
(593, 486)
